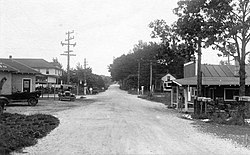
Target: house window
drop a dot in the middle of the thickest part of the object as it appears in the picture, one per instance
(230, 93)
(56, 71)
(47, 71)
(168, 78)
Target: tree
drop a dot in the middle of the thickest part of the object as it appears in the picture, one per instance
(55, 62)
(174, 51)
(235, 33)
(192, 27)
(222, 24)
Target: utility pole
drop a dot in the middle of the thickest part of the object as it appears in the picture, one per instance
(138, 82)
(85, 77)
(67, 53)
(151, 77)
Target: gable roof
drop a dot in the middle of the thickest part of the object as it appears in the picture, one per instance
(15, 66)
(216, 75)
(7, 68)
(36, 63)
(164, 78)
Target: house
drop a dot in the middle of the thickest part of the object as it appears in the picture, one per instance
(15, 76)
(50, 71)
(167, 81)
(218, 81)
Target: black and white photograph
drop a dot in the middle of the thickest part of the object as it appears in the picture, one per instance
(124, 77)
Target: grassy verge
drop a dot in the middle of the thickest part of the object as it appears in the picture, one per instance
(18, 131)
(236, 134)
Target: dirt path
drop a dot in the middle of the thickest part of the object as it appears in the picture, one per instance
(119, 123)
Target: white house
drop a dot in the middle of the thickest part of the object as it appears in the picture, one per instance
(47, 69)
(166, 82)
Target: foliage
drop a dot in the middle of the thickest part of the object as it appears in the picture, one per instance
(18, 131)
(55, 62)
(125, 67)
(225, 25)
(79, 74)
(172, 45)
(235, 32)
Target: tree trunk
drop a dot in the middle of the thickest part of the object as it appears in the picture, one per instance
(199, 73)
(199, 80)
(242, 74)
(242, 91)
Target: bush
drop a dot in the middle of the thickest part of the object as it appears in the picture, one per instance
(18, 131)
(200, 116)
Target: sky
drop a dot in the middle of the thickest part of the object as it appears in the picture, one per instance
(103, 29)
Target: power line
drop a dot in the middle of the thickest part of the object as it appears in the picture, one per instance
(67, 53)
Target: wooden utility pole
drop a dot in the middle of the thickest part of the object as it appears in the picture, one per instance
(85, 77)
(138, 78)
(67, 53)
(151, 77)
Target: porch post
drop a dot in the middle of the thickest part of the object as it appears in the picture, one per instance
(177, 97)
(186, 98)
(172, 97)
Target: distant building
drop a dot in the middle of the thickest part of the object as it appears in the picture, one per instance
(50, 72)
(167, 81)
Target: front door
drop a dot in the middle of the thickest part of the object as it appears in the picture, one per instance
(26, 85)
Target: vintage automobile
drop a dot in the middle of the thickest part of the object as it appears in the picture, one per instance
(30, 97)
(66, 96)
(3, 101)
(95, 90)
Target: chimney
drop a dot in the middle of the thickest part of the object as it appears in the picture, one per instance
(10, 57)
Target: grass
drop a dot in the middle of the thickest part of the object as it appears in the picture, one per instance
(160, 99)
(236, 134)
(18, 131)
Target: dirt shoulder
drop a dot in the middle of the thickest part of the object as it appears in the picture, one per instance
(47, 106)
(236, 134)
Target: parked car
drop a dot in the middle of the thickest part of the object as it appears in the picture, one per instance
(30, 97)
(66, 96)
(3, 101)
(95, 90)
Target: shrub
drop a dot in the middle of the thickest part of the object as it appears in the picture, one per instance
(18, 131)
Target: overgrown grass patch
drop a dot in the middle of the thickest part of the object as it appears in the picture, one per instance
(236, 134)
(161, 99)
(18, 131)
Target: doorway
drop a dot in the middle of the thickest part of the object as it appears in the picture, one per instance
(26, 85)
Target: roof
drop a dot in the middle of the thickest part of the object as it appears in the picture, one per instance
(164, 78)
(211, 81)
(15, 66)
(7, 68)
(36, 63)
(216, 75)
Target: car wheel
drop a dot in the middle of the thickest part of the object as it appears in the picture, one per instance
(32, 101)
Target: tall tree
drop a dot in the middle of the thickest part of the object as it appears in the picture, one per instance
(235, 32)
(200, 22)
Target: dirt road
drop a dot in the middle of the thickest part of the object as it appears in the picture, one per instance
(119, 123)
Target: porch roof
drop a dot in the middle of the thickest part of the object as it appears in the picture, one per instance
(210, 81)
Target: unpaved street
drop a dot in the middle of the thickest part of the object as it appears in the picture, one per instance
(119, 123)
